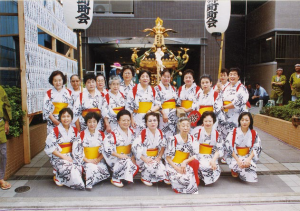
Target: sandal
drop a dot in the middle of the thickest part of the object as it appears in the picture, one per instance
(5, 185)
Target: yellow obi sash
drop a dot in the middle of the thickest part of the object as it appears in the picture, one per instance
(144, 107)
(152, 152)
(86, 111)
(124, 149)
(66, 147)
(169, 104)
(186, 104)
(59, 106)
(226, 103)
(204, 108)
(242, 151)
(180, 156)
(118, 109)
(205, 149)
(91, 152)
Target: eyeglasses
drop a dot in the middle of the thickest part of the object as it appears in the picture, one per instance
(128, 73)
(125, 121)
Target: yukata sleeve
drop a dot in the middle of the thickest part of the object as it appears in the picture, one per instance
(195, 105)
(157, 99)
(77, 150)
(228, 147)
(77, 110)
(170, 150)
(104, 108)
(241, 97)
(138, 148)
(218, 104)
(256, 148)
(129, 106)
(178, 101)
(51, 144)
(220, 146)
(283, 80)
(70, 100)
(48, 107)
(109, 146)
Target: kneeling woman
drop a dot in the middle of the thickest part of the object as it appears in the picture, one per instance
(58, 147)
(209, 147)
(148, 149)
(117, 150)
(244, 147)
(90, 147)
(181, 156)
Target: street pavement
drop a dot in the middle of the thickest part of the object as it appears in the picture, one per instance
(278, 188)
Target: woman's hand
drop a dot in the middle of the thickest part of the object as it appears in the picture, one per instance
(165, 118)
(213, 164)
(183, 167)
(147, 160)
(123, 156)
(55, 122)
(133, 124)
(67, 158)
(108, 128)
(240, 163)
(247, 162)
(158, 159)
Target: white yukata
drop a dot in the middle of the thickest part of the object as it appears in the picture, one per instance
(75, 94)
(94, 173)
(132, 104)
(167, 95)
(66, 173)
(247, 174)
(207, 174)
(89, 102)
(126, 89)
(121, 168)
(181, 183)
(63, 96)
(104, 92)
(115, 104)
(155, 171)
(187, 95)
(215, 87)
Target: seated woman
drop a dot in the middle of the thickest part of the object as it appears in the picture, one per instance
(148, 149)
(89, 148)
(209, 148)
(59, 142)
(180, 156)
(243, 146)
(117, 150)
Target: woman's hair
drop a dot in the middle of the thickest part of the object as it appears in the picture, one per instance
(74, 75)
(89, 76)
(235, 69)
(65, 110)
(55, 73)
(100, 75)
(250, 117)
(205, 76)
(188, 71)
(166, 71)
(224, 70)
(182, 119)
(151, 114)
(207, 113)
(114, 78)
(142, 72)
(122, 113)
(92, 115)
(127, 67)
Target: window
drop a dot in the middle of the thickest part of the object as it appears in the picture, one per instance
(113, 7)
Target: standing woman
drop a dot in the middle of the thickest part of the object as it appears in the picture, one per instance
(76, 86)
(180, 155)
(127, 74)
(168, 99)
(244, 147)
(115, 100)
(117, 151)
(100, 83)
(148, 149)
(141, 100)
(187, 92)
(56, 99)
(89, 147)
(59, 146)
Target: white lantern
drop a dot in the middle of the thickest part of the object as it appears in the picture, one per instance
(217, 15)
(78, 13)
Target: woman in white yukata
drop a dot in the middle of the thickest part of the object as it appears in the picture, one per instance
(148, 149)
(142, 99)
(127, 84)
(209, 147)
(89, 147)
(223, 81)
(59, 147)
(117, 151)
(187, 92)
(115, 100)
(100, 83)
(168, 98)
(182, 165)
(244, 147)
(56, 99)
(91, 101)
(75, 86)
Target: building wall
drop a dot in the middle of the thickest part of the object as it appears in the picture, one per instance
(287, 15)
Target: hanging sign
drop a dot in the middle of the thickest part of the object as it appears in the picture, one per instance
(217, 15)
(78, 13)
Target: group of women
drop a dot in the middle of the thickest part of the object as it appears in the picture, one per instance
(130, 128)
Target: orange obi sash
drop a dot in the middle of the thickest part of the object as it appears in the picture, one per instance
(152, 152)
(86, 111)
(118, 109)
(186, 104)
(124, 149)
(242, 151)
(144, 107)
(205, 149)
(226, 103)
(169, 104)
(204, 108)
(91, 152)
(66, 147)
(59, 106)
(180, 156)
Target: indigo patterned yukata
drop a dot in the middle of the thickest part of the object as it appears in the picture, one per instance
(186, 97)
(126, 89)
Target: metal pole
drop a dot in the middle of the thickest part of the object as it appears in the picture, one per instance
(221, 50)
(80, 59)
